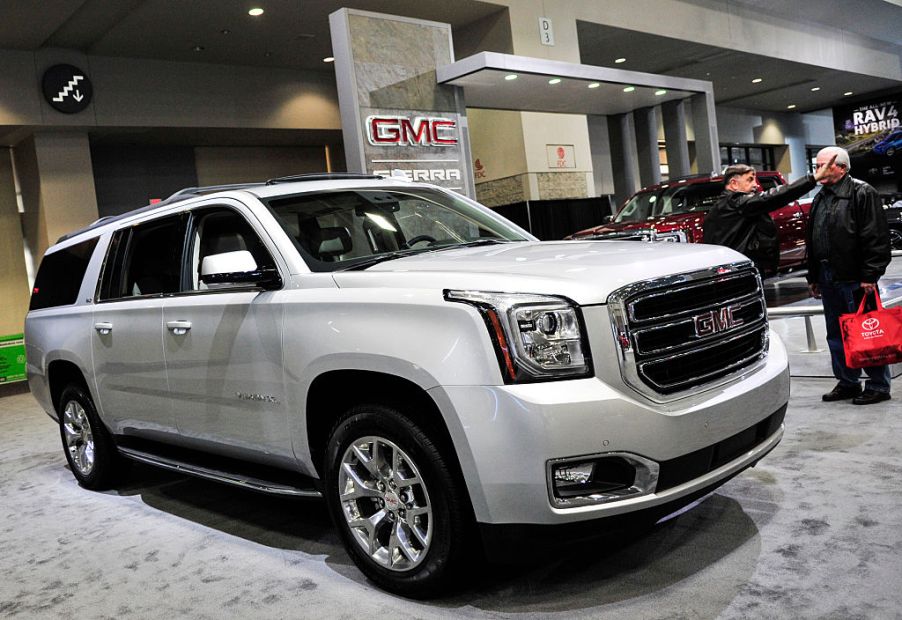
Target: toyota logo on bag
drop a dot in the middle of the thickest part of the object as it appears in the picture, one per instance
(870, 324)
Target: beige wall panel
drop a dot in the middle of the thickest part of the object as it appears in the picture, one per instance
(720, 23)
(20, 102)
(132, 92)
(14, 294)
(496, 140)
(34, 218)
(57, 183)
(219, 165)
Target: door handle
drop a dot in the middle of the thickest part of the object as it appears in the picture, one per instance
(103, 328)
(179, 328)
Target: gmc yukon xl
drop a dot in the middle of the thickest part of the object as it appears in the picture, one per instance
(431, 370)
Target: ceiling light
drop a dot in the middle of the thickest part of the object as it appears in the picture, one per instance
(554, 81)
(255, 12)
(791, 106)
(658, 93)
(594, 85)
(197, 48)
(329, 59)
(225, 31)
(267, 54)
(510, 77)
(846, 94)
(619, 60)
(757, 81)
(629, 89)
(815, 89)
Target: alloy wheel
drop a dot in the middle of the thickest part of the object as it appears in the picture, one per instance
(79, 437)
(385, 503)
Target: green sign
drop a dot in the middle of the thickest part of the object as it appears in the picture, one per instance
(12, 358)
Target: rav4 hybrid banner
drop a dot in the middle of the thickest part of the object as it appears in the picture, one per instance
(872, 133)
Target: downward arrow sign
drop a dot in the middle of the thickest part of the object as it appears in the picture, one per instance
(78, 96)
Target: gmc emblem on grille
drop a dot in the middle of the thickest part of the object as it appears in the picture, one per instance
(715, 321)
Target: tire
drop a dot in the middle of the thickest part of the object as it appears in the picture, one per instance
(401, 513)
(87, 444)
(895, 238)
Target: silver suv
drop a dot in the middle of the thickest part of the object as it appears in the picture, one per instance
(429, 368)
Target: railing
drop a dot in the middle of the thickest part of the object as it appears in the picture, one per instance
(808, 311)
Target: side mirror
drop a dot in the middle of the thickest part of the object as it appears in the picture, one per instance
(237, 268)
(607, 219)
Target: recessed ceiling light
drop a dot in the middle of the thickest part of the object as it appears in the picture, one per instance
(225, 31)
(510, 77)
(267, 54)
(757, 80)
(846, 94)
(619, 60)
(329, 59)
(594, 85)
(791, 106)
(658, 93)
(554, 81)
(197, 48)
(255, 12)
(629, 89)
(815, 89)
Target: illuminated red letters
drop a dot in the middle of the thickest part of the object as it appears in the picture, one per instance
(420, 131)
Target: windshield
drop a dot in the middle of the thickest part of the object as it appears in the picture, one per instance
(670, 200)
(336, 230)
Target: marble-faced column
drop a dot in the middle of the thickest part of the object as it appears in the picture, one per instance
(395, 117)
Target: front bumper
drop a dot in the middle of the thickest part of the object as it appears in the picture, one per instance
(506, 436)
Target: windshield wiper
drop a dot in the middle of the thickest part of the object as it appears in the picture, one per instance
(381, 258)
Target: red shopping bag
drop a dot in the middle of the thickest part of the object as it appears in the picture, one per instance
(872, 338)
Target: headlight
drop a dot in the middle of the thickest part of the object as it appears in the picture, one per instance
(536, 337)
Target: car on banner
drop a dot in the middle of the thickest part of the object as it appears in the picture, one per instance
(447, 383)
(675, 211)
(889, 145)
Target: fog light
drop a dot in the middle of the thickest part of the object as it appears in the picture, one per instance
(600, 479)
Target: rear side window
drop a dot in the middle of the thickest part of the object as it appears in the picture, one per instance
(60, 275)
(145, 260)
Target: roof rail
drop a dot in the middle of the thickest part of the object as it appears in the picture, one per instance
(322, 176)
(186, 192)
(198, 191)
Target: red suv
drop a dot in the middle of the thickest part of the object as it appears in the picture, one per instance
(675, 211)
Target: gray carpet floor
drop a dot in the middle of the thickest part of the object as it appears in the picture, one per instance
(815, 531)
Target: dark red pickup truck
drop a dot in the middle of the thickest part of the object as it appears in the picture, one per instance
(675, 211)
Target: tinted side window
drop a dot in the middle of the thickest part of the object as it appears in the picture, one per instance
(60, 275)
(145, 260)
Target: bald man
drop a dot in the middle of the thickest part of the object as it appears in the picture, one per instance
(848, 251)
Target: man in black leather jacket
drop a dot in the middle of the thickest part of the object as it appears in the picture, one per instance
(741, 217)
(848, 250)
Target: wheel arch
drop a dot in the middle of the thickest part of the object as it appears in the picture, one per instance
(61, 373)
(329, 396)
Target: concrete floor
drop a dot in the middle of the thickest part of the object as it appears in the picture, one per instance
(815, 531)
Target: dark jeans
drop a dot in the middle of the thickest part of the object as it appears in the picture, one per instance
(843, 298)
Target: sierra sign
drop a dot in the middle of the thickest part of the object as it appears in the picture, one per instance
(404, 131)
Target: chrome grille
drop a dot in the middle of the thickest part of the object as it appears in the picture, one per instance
(689, 330)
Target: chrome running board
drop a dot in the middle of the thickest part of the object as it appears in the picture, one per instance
(245, 482)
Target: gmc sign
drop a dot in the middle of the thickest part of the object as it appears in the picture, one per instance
(402, 131)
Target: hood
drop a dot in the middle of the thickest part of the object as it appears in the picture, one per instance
(584, 271)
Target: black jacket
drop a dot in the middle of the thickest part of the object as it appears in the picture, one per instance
(857, 232)
(742, 221)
